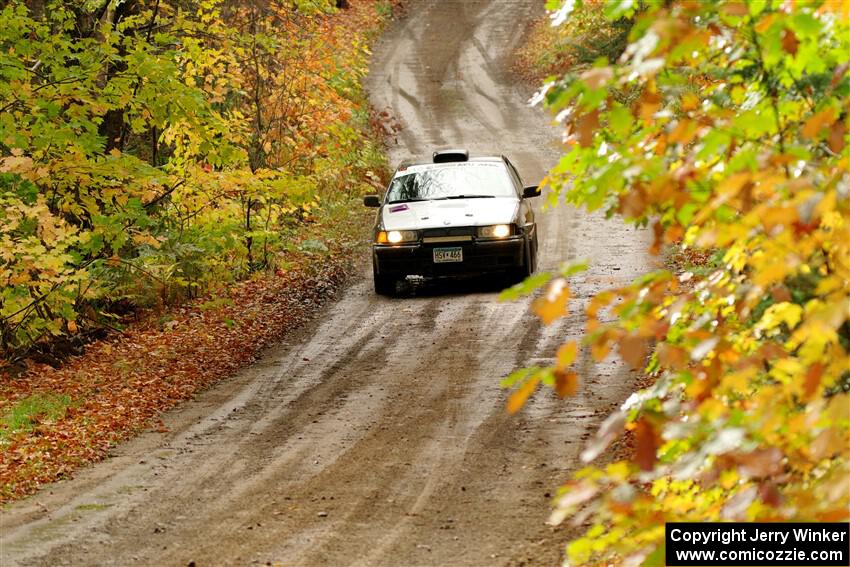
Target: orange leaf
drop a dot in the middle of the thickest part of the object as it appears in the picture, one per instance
(599, 301)
(790, 43)
(646, 444)
(772, 217)
(633, 350)
(780, 293)
(518, 398)
(834, 515)
(633, 203)
(828, 443)
(586, 125)
(735, 9)
(597, 77)
(683, 133)
(760, 463)
(649, 102)
(674, 233)
(657, 238)
(836, 137)
(566, 383)
(554, 304)
(764, 24)
(813, 378)
(770, 495)
(672, 357)
(819, 120)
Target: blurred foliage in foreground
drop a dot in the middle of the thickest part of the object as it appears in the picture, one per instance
(724, 127)
(151, 150)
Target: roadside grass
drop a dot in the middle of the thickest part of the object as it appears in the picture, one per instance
(587, 36)
(92, 507)
(28, 412)
(384, 9)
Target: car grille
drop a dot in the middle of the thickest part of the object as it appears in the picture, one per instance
(449, 231)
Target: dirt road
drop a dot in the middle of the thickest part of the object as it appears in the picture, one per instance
(376, 436)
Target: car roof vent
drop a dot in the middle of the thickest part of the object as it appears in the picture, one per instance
(444, 156)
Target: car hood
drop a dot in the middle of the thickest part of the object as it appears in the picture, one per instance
(451, 212)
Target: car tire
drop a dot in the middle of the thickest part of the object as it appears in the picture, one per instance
(384, 285)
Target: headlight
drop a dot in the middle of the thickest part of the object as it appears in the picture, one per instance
(396, 236)
(494, 231)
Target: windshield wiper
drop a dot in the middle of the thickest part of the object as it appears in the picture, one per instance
(467, 197)
(443, 198)
(405, 201)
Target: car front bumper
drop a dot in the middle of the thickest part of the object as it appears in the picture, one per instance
(479, 257)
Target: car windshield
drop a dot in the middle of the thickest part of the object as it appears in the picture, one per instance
(451, 181)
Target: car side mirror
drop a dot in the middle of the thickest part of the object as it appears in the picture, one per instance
(531, 191)
(372, 201)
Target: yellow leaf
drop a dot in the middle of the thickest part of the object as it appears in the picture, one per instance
(779, 313)
(739, 382)
(690, 101)
(729, 478)
(566, 354)
(733, 184)
(16, 164)
(600, 347)
(776, 272)
(777, 216)
(146, 239)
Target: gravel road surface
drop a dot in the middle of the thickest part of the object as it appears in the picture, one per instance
(377, 435)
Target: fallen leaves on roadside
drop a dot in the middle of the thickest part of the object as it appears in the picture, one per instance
(123, 382)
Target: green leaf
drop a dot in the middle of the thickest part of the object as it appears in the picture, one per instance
(526, 287)
(573, 268)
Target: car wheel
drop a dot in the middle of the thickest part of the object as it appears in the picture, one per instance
(384, 285)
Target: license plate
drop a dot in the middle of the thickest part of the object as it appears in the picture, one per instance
(443, 255)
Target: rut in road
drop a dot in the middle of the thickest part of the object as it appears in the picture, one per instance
(377, 435)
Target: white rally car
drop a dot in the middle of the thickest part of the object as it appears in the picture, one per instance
(453, 216)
